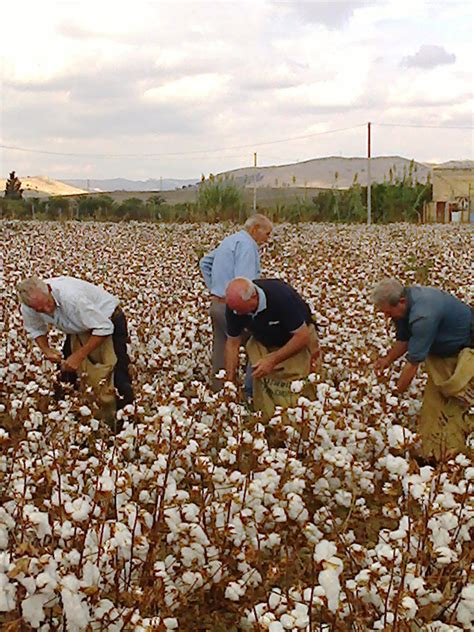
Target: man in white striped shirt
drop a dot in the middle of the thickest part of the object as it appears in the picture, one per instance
(75, 307)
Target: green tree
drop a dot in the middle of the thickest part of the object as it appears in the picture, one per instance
(155, 204)
(132, 208)
(58, 208)
(220, 200)
(13, 190)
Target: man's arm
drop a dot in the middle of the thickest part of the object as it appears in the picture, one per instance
(246, 261)
(298, 340)
(74, 361)
(50, 354)
(231, 357)
(397, 351)
(406, 376)
(205, 264)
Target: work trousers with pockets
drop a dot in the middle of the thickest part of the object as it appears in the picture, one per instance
(122, 380)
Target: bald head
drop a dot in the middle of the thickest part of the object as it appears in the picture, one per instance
(241, 296)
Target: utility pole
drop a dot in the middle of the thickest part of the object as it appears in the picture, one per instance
(255, 182)
(369, 178)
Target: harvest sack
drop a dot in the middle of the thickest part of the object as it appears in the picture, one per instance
(275, 388)
(98, 369)
(446, 418)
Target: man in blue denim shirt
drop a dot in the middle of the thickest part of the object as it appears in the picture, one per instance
(237, 255)
(436, 328)
(428, 322)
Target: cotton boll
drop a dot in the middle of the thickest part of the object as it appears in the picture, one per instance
(399, 436)
(445, 555)
(7, 594)
(32, 609)
(410, 606)
(324, 550)
(465, 609)
(287, 621)
(329, 580)
(297, 386)
(234, 591)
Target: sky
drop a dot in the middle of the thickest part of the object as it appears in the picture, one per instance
(178, 89)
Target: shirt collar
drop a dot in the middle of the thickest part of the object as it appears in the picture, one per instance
(249, 236)
(262, 301)
(53, 293)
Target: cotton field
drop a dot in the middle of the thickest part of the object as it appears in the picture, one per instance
(197, 516)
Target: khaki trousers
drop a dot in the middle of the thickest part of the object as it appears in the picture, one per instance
(446, 417)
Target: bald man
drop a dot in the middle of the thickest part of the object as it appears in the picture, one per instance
(282, 329)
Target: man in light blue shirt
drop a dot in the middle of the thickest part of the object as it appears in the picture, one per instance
(236, 256)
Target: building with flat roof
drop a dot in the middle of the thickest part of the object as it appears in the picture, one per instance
(453, 195)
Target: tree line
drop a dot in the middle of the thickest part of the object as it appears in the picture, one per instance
(218, 199)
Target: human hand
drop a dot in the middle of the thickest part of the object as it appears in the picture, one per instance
(381, 364)
(53, 356)
(72, 363)
(315, 360)
(263, 367)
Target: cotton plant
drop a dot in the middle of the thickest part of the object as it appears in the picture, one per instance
(319, 519)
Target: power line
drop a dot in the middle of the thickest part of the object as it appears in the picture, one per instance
(423, 126)
(206, 152)
(182, 153)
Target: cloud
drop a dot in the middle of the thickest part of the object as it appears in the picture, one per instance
(331, 14)
(429, 56)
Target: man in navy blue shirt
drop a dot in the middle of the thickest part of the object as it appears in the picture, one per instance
(237, 255)
(277, 317)
(428, 322)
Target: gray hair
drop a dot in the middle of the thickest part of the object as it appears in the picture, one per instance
(31, 287)
(387, 291)
(257, 220)
(247, 290)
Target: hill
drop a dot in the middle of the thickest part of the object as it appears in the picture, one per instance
(318, 173)
(42, 186)
(123, 184)
(328, 172)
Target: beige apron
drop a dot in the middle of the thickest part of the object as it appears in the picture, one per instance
(446, 418)
(275, 388)
(98, 369)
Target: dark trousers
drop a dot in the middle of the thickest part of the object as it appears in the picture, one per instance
(122, 380)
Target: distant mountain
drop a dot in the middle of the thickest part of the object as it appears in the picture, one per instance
(334, 172)
(42, 186)
(122, 184)
(324, 173)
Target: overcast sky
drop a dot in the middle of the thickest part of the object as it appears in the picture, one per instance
(175, 89)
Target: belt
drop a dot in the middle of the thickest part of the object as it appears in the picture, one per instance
(217, 299)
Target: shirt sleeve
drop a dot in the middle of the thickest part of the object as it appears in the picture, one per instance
(246, 261)
(90, 319)
(205, 265)
(423, 333)
(35, 326)
(235, 324)
(293, 315)
(402, 330)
